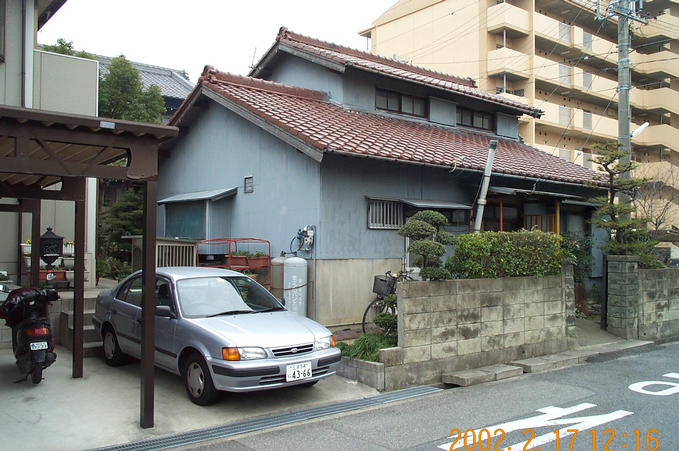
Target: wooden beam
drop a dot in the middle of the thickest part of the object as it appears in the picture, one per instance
(35, 241)
(49, 167)
(148, 305)
(69, 191)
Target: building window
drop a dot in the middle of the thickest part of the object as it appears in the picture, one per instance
(248, 184)
(587, 40)
(519, 92)
(564, 115)
(587, 80)
(384, 214)
(564, 74)
(185, 219)
(400, 103)
(587, 120)
(564, 32)
(475, 119)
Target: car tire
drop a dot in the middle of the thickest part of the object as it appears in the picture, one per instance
(113, 355)
(198, 381)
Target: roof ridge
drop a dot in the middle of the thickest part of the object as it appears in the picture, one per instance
(211, 75)
(145, 65)
(285, 34)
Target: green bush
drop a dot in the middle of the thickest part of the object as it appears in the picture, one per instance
(507, 254)
(416, 229)
(432, 273)
(367, 346)
(387, 322)
(434, 218)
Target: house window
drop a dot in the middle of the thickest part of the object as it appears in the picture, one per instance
(248, 184)
(400, 103)
(587, 40)
(185, 219)
(384, 214)
(475, 119)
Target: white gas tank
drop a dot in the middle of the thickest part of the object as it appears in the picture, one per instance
(295, 284)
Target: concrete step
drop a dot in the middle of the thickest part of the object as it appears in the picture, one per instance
(87, 318)
(479, 375)
(553, 361)
(67, 303)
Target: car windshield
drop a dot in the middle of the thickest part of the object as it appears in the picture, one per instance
(214, 296)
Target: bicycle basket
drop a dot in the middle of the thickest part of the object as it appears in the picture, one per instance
(384, 285)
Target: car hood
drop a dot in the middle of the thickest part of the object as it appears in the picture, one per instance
(266, 330)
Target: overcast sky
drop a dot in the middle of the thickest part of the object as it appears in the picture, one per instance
(190, 34)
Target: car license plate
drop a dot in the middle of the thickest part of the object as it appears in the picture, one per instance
(297, 371)
(38, 345)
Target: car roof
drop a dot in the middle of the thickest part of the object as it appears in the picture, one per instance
(187, 272)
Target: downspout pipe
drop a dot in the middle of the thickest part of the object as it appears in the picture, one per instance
(481, 203)
(23, 54)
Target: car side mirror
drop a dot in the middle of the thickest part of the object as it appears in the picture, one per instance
(281, 300)
(164, 311)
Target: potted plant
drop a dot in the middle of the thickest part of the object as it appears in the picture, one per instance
(26, 247)
(258, 260)
(238, 258)
(69, 248)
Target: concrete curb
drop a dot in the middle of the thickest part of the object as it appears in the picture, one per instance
(538, 364)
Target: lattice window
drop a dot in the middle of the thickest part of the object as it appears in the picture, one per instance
(385, 214)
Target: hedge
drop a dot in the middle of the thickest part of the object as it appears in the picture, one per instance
(490, 255)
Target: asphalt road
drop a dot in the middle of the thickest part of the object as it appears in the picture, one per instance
(610, 397)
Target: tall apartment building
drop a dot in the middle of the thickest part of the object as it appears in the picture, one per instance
(557, 56)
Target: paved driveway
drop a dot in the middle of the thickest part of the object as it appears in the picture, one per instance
(102, 408)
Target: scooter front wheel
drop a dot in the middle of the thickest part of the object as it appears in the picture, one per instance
(36, 373)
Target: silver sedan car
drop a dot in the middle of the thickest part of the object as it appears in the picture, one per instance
(219, 330)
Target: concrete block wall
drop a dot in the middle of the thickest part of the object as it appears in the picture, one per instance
(459, 324)
(642, 303)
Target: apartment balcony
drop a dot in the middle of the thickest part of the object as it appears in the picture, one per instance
(575, 122)
(657, 65)
(661, 100)
(662, 28)
(663, 135)
(64, 83)
(663, 171)
(505, 61)
(508, 18)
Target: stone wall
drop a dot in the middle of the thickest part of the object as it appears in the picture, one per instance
(642, 303)
(460, 324)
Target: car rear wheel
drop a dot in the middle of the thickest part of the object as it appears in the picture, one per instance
(113, 355)
(198, 381)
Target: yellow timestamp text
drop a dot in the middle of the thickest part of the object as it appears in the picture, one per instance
(565, 440)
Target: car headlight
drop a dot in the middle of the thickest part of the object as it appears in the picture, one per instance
(325, 343)
(243, 353)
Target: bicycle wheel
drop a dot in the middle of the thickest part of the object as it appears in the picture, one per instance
(374, 308)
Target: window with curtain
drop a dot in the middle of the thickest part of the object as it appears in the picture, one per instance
(185, 219)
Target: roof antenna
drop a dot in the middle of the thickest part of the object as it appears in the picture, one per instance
(252, 64)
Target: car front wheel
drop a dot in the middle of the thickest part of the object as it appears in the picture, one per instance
(198, 381)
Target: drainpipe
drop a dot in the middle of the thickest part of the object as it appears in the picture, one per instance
(481, 203)
(23, 54)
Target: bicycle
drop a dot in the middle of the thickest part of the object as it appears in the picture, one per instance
(383, 286)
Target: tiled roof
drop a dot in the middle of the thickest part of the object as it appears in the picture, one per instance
(374, 63)
(328, 127)
(172, 82)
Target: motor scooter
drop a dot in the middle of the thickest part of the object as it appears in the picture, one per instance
(25, 311)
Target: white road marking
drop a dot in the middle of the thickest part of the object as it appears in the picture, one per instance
(551, 417)
(640, 387)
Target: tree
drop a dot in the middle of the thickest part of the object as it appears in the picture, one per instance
(122, 95)
(428, 241)
(628, 234)
(656, 198)
(66, 48)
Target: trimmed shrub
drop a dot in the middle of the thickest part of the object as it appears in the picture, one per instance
(416, 229)
(507, 254)
(434, 218)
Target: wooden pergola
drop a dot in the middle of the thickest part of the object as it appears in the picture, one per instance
(39, 149)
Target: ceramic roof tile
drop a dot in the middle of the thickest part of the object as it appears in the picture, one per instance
(329, 127)
(369, 61)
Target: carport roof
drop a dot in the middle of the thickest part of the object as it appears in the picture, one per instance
(38, 147)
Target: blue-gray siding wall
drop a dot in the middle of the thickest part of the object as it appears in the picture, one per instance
(218, 150)
(346, 181)
(294, 71)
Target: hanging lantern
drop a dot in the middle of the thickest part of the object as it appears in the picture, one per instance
(51, 247)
